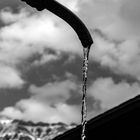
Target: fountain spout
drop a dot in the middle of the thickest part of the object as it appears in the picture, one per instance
(67, 15)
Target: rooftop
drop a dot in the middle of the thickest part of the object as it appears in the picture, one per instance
(118, 123)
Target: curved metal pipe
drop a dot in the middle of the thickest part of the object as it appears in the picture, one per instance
(65, 14)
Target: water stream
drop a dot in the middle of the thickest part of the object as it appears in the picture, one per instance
(84, 90)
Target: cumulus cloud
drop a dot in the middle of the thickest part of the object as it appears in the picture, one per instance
(46, 58)
(116, 33)
(10, 78)
(40, 29)
(120, 57)
(38, 111)
(24, 35)
(115, 18)
(54, 92)
(116, 43)
(27, 34)
(47, 104)
(8, 17)
(115, 29)
(111, 94)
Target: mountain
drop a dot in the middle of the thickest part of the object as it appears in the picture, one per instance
(23, 130)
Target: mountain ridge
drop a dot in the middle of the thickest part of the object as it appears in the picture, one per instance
(14, 129)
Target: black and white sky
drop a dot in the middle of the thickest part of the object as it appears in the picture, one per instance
(41, 59)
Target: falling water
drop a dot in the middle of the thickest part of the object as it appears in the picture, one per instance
(84, 90)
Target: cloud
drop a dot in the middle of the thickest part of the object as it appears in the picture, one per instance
(40, 29)
(114, 25)
(115, 29)
(121, 58)
(38, 111)
(8, 17)
(111, 94)
(47, 104)
(54, 92)
(27, 34)
(10, 77)
(46, 58)
(115, 20)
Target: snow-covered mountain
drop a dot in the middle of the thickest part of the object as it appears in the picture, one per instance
(21, 130)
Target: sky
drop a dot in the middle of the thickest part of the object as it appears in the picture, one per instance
(41, 60)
